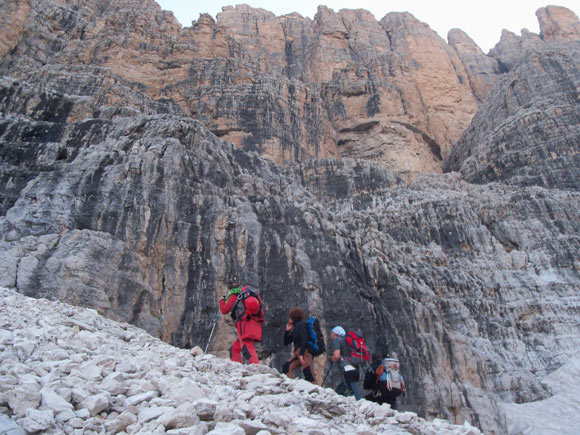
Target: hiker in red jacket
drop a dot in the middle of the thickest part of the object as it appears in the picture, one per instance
(248, 314)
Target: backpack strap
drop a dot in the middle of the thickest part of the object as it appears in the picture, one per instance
(234, 312)
(312, 334)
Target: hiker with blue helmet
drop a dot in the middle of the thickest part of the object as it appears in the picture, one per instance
(297, 333)
(344, 375)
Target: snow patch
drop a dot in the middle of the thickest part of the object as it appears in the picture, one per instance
(556, 415)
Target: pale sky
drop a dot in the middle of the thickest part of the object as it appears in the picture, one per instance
(483, 21)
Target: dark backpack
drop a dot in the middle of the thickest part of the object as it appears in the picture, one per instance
(371, 380)
(239, 310)
(315, 338)
(357, 346)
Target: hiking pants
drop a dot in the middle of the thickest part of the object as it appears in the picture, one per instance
(352, 386)
(384, 396)
(237, 351)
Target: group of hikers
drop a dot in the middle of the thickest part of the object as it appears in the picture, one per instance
(346, 356)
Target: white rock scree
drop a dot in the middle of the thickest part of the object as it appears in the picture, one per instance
(66, 369)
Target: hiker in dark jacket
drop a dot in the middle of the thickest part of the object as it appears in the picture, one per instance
(344, 376)
(297, 333)
(384, 381)
(248, 315)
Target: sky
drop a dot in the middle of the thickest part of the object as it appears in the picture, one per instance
(483, 21)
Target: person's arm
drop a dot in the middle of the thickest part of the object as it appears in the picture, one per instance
(288, 333)
(335, 350)
(227, 303)
(372, 375)
(335, 355)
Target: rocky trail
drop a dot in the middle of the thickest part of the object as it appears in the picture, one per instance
(68, 370)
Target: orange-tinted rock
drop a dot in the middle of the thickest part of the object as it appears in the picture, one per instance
(558, 24)
(481, 70)
(290, 87)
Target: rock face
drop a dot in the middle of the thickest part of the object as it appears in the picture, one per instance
(391, 91)
(481, 70)
(536, 103)
(558, 24)
(114, 198)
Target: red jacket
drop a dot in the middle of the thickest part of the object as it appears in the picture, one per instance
(248, 327)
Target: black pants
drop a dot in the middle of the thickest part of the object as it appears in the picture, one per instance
(384, 396)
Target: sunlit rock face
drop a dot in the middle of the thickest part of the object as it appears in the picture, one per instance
(482, 70)
(558, 24)
(145, 165)
(290, 88)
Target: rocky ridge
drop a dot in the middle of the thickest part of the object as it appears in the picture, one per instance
(528, 129)
(389, 90)
(66, 369)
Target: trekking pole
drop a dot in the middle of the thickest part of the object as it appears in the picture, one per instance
(217, 316)
(325, 375)
(331, 373)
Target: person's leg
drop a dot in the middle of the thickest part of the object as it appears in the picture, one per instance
(286, 365)
(307, 367)
(391, 397)
(252, 350)
(355, 390)
(351, 378)
(371, 397)
(237, 351)
(341, 389)
(294, 364)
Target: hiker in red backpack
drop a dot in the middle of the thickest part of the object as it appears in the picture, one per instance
(246, 307)
(297, 333)
(344, 373)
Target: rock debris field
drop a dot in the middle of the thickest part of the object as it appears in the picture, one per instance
(66, 369)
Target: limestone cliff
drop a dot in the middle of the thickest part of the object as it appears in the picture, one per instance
(481, 70)
(535, 103)
(133, 180)
(388, 90)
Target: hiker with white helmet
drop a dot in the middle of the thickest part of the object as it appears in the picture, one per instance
(344, 375)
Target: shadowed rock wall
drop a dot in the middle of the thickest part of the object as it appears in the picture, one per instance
(144, 218)
(528, 130)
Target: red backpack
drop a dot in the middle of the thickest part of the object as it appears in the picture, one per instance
(239, 310)
(358, 347)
